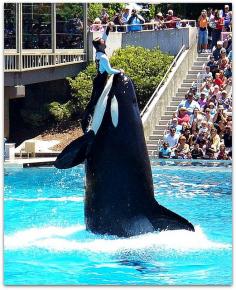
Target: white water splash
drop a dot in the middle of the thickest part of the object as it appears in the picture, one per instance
(57, 239)
(57, 199)
(30, 237)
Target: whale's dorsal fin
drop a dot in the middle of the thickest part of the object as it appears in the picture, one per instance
(101, 106)
(114, 111)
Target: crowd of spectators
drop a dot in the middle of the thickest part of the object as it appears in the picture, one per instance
(211, 23)
(201, 127)
(127, 20)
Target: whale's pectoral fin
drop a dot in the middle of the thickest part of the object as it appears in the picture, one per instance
(165, 219)
(76, 152)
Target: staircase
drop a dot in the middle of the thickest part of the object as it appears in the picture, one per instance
(156, 138)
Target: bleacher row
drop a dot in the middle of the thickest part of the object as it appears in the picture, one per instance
(201, 127)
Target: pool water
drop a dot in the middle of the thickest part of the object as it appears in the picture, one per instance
(46, 242)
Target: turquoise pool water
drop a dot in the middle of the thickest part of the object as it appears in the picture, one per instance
(46, 242)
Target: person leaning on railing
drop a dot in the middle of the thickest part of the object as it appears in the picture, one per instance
(118, 22)
(97, 25)
(171, 20)
(158, 21)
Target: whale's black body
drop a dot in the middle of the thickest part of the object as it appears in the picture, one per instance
(119, 196)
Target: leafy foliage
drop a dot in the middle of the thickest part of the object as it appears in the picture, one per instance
(94, 11)
(146, 67)
(69, 10)
(59, 111)
(81, 87)
(113, 8)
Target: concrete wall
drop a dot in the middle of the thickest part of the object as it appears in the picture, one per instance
(162, 99)
(169, 40)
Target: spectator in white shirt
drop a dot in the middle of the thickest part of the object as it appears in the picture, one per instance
(172, 138)
(189, 104)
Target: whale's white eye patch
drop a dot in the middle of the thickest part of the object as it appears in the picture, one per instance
(114, 111)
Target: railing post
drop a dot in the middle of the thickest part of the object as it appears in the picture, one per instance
(54, 31)
(85, 27)
(19, 33)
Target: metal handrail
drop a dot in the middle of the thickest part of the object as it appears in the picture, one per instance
(37, 60)
(199, 78)
(163, 80)
(148, 24)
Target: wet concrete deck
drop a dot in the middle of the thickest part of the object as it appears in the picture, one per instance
(29, 162)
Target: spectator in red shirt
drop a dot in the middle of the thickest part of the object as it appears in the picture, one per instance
(216, 32)
(171, 19)
(217, 80)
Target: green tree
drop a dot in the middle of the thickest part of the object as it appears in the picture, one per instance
(113, 8)
(94, 11)
(146, 67)
(69, 10)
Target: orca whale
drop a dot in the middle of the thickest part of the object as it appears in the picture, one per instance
(119, 195)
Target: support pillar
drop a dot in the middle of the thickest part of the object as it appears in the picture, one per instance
(10, 93)
(6, 117)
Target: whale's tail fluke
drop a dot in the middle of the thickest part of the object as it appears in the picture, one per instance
(165, 219)
(76, 152)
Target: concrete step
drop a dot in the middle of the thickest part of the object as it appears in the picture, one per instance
(163, 123)
(174, 103)
(152, 147)
(168, 113)
(152, 153)
(191, 77)
(193, 72)
(179, 96)
(204, 54)
(160, 132)
(182, 90)
(171, 108)
(166, 117)
(187, 82)
(199, 63)
(160, 127)
(186, 85)
(178, 99)
(202, 58)
(156, 137)
(197, 67)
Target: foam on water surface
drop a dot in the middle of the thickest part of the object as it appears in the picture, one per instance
(58, 239)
